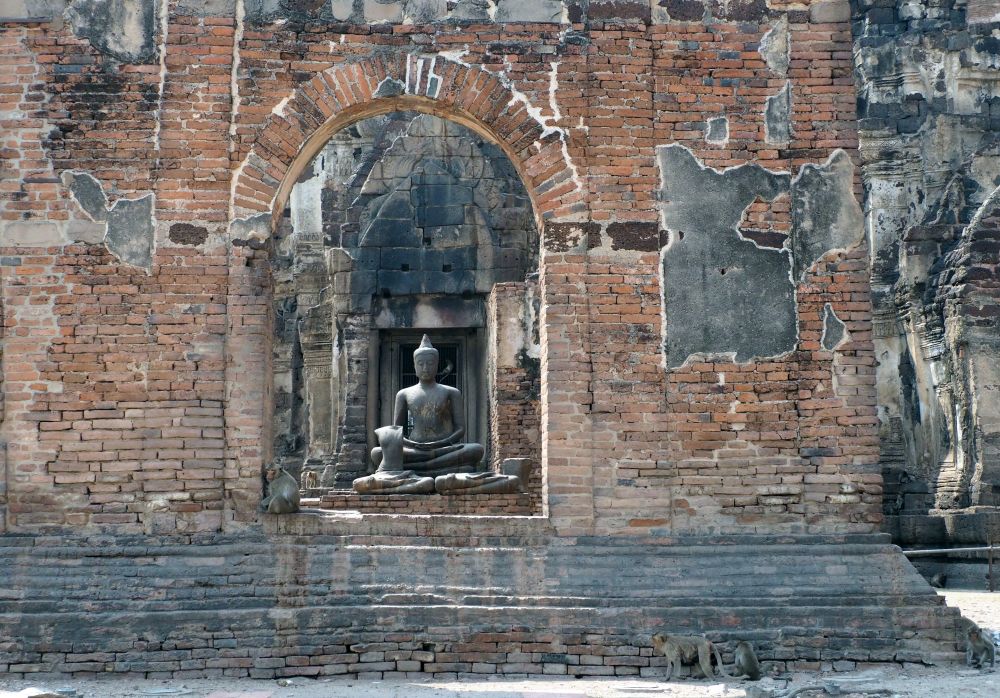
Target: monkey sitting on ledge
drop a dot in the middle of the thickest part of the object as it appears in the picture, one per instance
(282, 492)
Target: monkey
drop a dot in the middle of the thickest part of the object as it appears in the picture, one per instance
(282, 492)
(977, 649)
(939, 580)
(746, 661)
(686, 650)
(310, 480)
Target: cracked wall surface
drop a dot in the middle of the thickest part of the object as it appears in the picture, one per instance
(726, 290)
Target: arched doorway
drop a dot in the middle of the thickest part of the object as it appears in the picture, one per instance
(271, 164)
(402, 224)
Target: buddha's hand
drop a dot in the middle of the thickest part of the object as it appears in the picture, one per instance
(447, 443)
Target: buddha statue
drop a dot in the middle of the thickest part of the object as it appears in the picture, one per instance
(433, 450)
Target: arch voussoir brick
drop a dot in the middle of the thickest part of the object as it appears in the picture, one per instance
(353, 90)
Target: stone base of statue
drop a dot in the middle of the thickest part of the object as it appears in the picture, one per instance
(394, 477)
(511, 479)
(399, 482)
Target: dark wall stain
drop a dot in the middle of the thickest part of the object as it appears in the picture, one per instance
(684, 10)
(187, 234)
(642, 237)
(563, 237)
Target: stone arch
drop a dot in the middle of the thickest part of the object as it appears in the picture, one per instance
(433, 84)
(292, 136)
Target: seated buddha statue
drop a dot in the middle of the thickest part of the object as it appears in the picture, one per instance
(434, 446)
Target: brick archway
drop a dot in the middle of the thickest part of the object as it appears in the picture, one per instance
(292, 136)
(347, 93)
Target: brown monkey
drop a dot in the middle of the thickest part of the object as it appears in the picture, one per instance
(686, 650)
(978, 648)
(746, 661)
(310, 479)
(282, 492)
(939, 580)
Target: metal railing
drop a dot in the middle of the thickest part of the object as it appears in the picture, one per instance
(988, 549)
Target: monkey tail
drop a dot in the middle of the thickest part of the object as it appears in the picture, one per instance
(718, 659)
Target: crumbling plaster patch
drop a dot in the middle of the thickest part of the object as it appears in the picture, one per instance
(778, 116)
(825, 214)
(834, 330)
(717, 131)
(123, 29)
(723, 294)
(128, 225)
(776, 47)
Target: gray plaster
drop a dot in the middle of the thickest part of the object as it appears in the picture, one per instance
(721, 293)
(390, 87)
(263, 10)
(88, 193)
(86, 231)
(471, 10)
(125, 228)
(207, 8)
(31, 234)
(833, 329)
(830, 11)
(717, 130)
(778, 116)
(825, 214)
(123, 29)
(31, 9)
(130, 234)
(776, 46)
(382, 11)
(252, 228)
(423, 11)
(529, 11)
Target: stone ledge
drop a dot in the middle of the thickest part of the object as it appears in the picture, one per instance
(518, 504)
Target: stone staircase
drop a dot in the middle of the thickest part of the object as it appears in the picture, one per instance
(275, 603)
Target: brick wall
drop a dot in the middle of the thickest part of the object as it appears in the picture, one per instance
(116, 419)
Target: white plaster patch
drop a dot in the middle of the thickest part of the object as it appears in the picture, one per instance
(164, 15)
(279, 108)
(234, 95)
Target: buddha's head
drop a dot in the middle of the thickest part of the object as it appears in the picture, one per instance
(425, 360)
